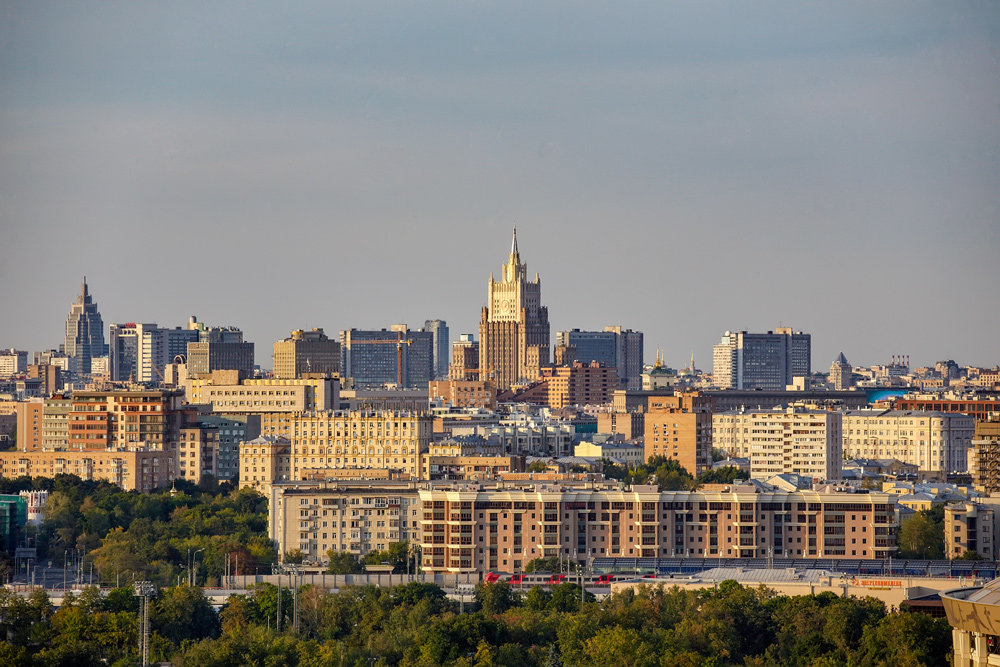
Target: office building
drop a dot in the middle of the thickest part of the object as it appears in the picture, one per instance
(219, 348)
(934, 441)
(13, 519)
(306, 352)
(503, 527)
(226, 393)
(13, 362)
(398, 356)
(141, 351)
(615, 347)
(84, 331)
(441, 344)
(463, 393)
(766, 361)
(513, 326)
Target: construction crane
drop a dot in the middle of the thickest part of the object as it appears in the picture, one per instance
(399, 343)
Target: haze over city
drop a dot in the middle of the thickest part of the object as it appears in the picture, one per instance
(679, 170)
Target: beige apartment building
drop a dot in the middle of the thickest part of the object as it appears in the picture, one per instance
(132, 469)
(463, 393)
(973, 525)
(262, 395)
(984, 457)
(793, 440)
(934, 441)
(476, 528)
(198, 452)
(352, 439)
(264, 461)
(345, 516)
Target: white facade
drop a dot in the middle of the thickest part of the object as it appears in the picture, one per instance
(789, 440)
(935, 441)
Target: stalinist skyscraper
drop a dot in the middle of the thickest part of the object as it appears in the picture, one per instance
(514, 326)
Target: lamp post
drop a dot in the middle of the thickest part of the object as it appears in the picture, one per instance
(193, 572)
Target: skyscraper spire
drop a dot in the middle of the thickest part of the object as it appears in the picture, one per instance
(513, 243)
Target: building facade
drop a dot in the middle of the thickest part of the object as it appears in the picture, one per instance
(306, 352)
(984, 456)
(513, 326)
(398, 356)
(615, 347)
(680, 427)
(792, 440)
(766, 361)
(934, 441)
(840, 373)
(441, 343)
(345, 517)
(351, 439)
(478, 528)
(84, 331)
(464, 358)
(139, 469)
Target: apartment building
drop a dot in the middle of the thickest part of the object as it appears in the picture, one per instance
(973, 525)
(345, 516)
(463, 393)
(134, 469)
(680, 427)
(352, 439)
(984, 457)
(793, 440)
(934, 441)
(476, 528)
(260, 395)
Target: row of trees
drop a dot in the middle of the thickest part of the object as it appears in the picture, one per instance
(127, 534)
(669, 475)
(416, 624)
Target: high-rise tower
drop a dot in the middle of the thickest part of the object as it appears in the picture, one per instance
(514, 326)
(84, 331)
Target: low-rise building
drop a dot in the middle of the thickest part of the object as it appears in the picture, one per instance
(139, 469)
(619, 452)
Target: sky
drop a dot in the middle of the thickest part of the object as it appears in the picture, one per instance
(676, 168)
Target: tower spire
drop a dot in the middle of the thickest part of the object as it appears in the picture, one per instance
(513, 242)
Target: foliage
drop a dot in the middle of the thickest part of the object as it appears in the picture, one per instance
(723, 475)
(920, 536)
(660, 470)
(550, 564)
(537, 466)
(396, 555)
(970, 555)
(342, 562)
(417, 625)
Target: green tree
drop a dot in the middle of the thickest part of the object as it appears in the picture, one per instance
(920, 537)
(495, 598)
(396, 555)
(723, 475)
(906, 639)
(343, 563)
(550, 564)
(183, 612)
(968, 554)
(537, 466)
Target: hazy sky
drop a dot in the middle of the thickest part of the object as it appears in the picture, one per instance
(681, 169)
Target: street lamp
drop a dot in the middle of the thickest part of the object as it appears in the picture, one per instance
(192, 571)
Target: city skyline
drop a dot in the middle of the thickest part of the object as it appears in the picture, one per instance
(681, 171)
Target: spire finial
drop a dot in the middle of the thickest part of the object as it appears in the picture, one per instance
(513, 243)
